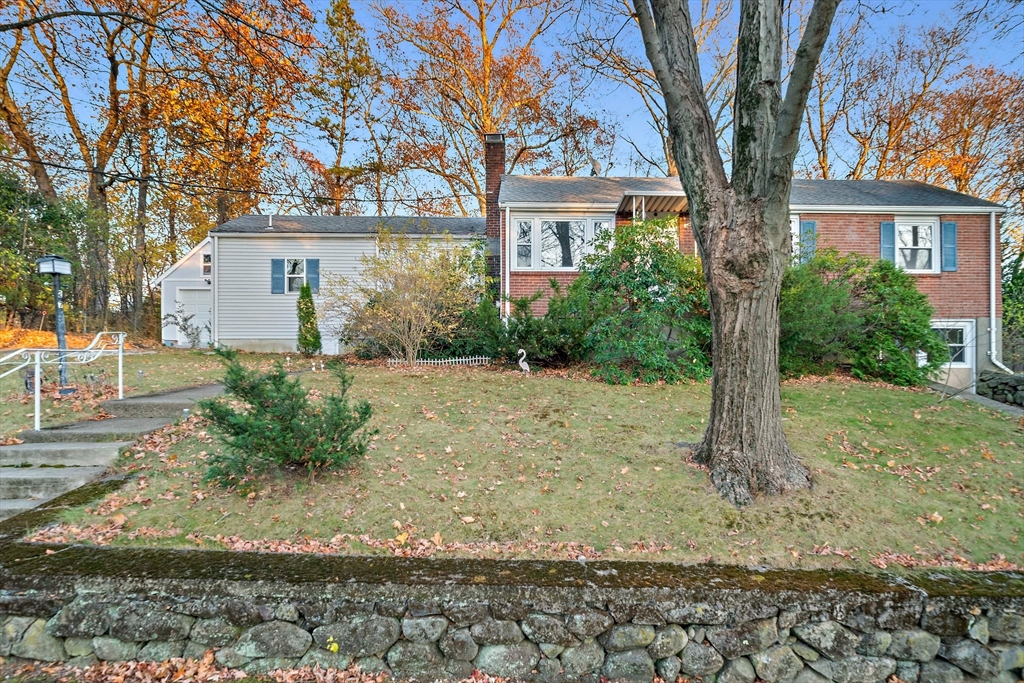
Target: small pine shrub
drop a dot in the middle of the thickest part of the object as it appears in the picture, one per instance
(278, 426)
(309, 343)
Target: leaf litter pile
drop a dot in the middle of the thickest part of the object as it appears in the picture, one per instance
(482, 463)
(183, 671)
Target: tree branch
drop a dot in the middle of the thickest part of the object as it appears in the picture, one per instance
(53, 16)
(670, 45)
(787, 133)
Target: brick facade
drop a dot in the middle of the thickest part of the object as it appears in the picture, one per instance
(960, 294)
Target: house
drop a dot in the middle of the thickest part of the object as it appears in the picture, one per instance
(948, 241)
(241, 283)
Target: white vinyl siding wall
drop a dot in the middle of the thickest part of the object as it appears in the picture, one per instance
(188, 274)
(248, 315)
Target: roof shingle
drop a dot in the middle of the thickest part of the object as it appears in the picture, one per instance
(519, 189)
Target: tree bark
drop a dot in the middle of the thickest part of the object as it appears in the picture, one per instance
(97, 265)
(744, 446)
(741, 225)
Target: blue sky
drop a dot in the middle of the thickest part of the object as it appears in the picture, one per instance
(882, 16)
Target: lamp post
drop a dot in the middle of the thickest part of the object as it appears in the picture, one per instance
(56, 266)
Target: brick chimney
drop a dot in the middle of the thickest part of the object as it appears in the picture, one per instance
(494, 166)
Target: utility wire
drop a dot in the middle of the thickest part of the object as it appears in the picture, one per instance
(128, 177)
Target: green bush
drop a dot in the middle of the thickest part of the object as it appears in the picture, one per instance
(278, 426)
(817, 315)
(309, 343)
(848, 309)
(556, 338)
(650, 305)
(895, 325)
(479, 332)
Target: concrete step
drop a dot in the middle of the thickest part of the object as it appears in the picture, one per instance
(115, 429)
(15, 506)
(167, 404)
(68, 454)
(43, 482)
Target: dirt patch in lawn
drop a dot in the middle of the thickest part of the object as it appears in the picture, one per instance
(496, 464)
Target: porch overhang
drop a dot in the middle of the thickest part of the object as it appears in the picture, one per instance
(644, 205)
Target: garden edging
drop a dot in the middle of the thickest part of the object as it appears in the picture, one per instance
(547, 621)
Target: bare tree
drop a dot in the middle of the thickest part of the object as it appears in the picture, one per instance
(464, 68)
(741, 224)
(608, 47)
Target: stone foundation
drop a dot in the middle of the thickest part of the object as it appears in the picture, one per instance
(545, 621)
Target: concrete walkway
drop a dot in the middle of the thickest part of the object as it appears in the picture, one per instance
(57, 459)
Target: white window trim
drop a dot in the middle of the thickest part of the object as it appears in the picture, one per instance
(287, 277)
(203, 266)
(936, 239)
(512, 233)
(794, 231)
(969, 327)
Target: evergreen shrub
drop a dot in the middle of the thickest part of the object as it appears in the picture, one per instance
(309, 343)
(268, 421)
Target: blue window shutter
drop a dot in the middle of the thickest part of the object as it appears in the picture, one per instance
(889, 241)
(949, 247)
(808, 239)
(277, 276)
(313, 274)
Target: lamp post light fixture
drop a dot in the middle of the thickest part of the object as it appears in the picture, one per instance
(56, 266)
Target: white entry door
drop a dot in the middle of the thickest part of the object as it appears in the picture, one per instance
(197, 303)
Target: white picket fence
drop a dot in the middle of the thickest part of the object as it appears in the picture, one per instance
(469, 360)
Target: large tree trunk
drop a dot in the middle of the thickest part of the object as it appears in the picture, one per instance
(741, 224)
(744, 446)
(97, 249)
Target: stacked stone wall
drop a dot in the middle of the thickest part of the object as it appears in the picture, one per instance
(803, 627)
(1002, 387)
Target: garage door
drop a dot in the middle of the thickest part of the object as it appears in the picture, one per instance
(197, 303)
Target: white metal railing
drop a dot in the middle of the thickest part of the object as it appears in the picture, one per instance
(471, 360)
(103, 344)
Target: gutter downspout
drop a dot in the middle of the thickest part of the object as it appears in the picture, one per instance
(506, 252)
(994, 251)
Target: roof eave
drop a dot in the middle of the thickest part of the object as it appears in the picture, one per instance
(191, 252)
(291, 233)
(574, 206)
(913, 209)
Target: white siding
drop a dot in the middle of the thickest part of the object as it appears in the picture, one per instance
(248, 315)
(186, 274)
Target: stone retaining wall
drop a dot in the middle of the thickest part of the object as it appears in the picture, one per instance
(816, 632)
(1002, 387)
(543, 621)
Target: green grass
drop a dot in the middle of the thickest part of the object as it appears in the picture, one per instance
(525, 463)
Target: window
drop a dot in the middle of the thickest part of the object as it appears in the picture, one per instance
(959, 337)
(207, 264)
(295, 271)
(561, 243)
(555, 243)
(288, 275)
(524, 244)
(794, 231)
(915, 245)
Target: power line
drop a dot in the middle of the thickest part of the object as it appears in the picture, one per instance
(127, 177)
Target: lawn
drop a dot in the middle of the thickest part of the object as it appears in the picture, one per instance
(497, 464)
